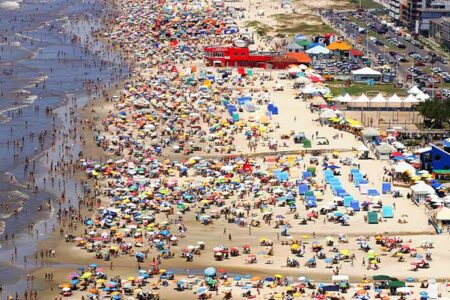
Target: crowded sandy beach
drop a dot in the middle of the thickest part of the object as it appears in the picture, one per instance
(195, 181)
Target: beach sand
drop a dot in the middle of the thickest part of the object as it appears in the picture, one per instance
(294, 116)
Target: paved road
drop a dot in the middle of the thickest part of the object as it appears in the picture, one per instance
(373, 49)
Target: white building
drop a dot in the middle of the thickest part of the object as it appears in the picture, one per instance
(393, 7)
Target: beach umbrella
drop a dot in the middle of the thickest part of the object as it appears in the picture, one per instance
(210, 271)
(86, 275)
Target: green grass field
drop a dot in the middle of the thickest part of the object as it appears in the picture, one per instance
(356, 89)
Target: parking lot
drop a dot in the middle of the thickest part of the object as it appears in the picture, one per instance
(409, 61)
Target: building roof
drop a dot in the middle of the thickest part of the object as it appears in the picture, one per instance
(295, 46)
(366, 71)
(442, 214)
(319, 49)
(340, 45)
(300, 57)
(355, 52)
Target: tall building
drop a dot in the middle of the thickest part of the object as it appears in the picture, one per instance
(415, 15)
(393, 7)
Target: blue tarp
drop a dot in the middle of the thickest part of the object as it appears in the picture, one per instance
(388, 212)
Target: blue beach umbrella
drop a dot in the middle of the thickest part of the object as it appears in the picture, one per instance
(210, 271)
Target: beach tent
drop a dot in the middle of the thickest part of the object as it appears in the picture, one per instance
(339, 46)
(411, 99)
(372, 217)
(388, 212)
(327, 114)
(345, 99)
(365, 74)
(402, 167)
(395, 99)
(422, 96)
(384, 151)
(354, 204)
(348, 200)
(361, 99)
(420, 190)
(383, 278)
(363, 151)
(370, 133)
(302, 80)
(302, 189)
(386, 187)
(318, 51)
(378, 99)
(396, 284)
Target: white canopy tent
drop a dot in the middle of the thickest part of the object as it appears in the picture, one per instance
(361, 99)
(414, 90)
(378, 99)
(318, 50)
(366, 74)
(422, 96)
(346, 98)
(411, 99)
(395, 99)
(402, 167)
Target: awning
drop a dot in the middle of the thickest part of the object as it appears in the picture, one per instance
(396, 284)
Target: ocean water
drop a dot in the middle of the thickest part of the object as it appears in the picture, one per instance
(47, 53)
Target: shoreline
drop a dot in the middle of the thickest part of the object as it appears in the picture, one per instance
(67, 254)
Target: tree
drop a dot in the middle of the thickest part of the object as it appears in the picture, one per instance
(435, 113)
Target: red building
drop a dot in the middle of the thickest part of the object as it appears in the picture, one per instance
(241, 57)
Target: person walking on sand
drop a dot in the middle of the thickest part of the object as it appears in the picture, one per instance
(229, 236)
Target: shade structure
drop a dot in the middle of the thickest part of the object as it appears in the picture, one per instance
(346, 98)
(339, 46)
(318, 50)
(422, 96)
(414, 90)
(361, 99)
(395, 99)
(411, 99)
